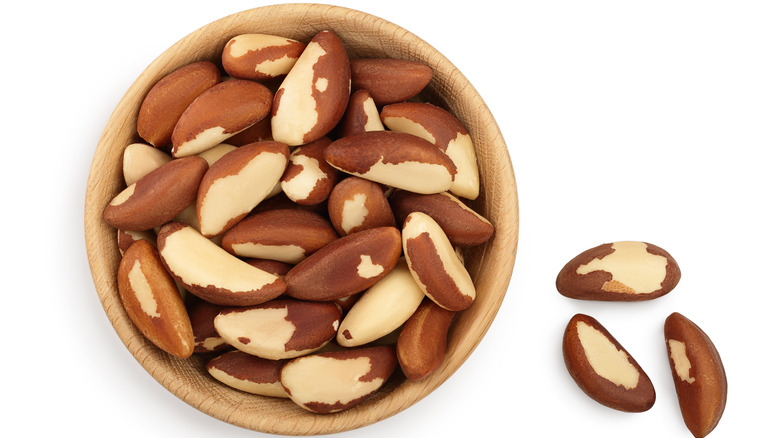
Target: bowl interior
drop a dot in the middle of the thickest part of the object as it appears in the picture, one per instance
(490, 264)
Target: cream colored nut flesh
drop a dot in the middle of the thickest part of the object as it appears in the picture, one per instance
(434, 264)
(605, 358)
(335, 381)
(382, 308)
(235, 194)
(282, 331)
(460, 149)
(213, 154)
(633, 269)
(140, 159)
(210, 272)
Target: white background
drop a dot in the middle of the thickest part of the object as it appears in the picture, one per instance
(654, 121)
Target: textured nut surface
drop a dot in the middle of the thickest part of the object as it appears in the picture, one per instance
(202, 314)
(279, 329)
(308, 178)
(443, 129)
(336, 381)
(603, 369)
(157, 197)
(260, 56)
(167, 100)
(396, 159)
(139, 159)
(248, 373)
(435, 265)
(382, 308)
(698, 374)
(389, 80)
(345, 266)
(218, 113)
(314, 94)
(619, 271)
(285, 235)
(152, 300)
(357, 204)
(422, 343)
(361, 115)
(462, 225)
(237, 182)
(210, 272)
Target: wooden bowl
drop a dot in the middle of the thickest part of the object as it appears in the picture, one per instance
(490, 264)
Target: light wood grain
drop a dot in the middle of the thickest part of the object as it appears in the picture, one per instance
(490, 264)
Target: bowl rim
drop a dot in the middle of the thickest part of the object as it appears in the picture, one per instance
(493, 268)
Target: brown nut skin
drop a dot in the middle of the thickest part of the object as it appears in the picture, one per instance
(604, 273)
(361, 115)
(202, 314)
(636, 396)
(698, 374)
(345, 266)
(462, 225)
(396, 159)
(389, 80)
(422, 343)
(157, 197)
(167, 100)
(153, 302)
(308, 178)
(273, 266)
(275, 232)
(260, 131)
(219, 113)
(314, 95)
(260, 57)
(248, 373)
(357, 204)
(303, 378)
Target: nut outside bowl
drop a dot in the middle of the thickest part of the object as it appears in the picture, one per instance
(489, 264)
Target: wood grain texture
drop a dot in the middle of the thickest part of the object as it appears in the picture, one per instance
(490, 264)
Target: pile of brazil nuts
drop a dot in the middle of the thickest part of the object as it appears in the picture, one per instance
(604, 370)
(300, 216)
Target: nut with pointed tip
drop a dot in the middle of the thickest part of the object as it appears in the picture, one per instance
(152, 300)
(260, 56)
(157, 197)
(422, 343)
(346, 266)
(698, 374)
(390, 80)
(396, 159)
(382, 308)
(219, 113)
(285, 235)
(435, 265)
(167, 100)
(210, 272)
(462, 225)
(443, 129)
(603, 369)
(314, 94)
